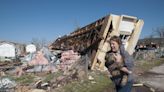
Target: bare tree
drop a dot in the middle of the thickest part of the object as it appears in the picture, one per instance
(159, 32)
(39, 43)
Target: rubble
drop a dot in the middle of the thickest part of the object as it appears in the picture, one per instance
(74, 67)
(90, 78)
(7, 84)
(9, 65)
(36, 90)
(37, 62)
(68, 58)
(78, 70)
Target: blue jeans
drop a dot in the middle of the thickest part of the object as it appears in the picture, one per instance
(126, 88)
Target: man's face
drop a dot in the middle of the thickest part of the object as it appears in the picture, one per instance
(114, 46)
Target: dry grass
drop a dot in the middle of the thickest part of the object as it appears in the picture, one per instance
(147, 65)
(99, 84)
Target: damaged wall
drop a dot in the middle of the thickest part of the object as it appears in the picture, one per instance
(11, 49)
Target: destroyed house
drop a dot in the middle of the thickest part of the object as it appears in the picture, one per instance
(92, 39)
(11, 49)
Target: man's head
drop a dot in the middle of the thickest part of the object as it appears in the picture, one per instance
(115, 43)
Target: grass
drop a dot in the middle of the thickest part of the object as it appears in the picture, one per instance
(147, 65)
(25, 79)
(101, 82)
(50, 76)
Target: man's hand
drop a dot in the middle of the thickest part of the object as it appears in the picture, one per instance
(124, 69)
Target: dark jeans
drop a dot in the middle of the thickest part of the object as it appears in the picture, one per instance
(126, 88)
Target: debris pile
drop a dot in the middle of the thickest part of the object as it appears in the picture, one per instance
(7, 84)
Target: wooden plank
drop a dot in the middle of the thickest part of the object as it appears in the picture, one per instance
(134, 37)
(105, 30)
(106, 44)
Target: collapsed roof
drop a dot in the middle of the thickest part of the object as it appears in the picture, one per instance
(91, 39)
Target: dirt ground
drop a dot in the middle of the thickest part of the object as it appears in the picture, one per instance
(154, 78)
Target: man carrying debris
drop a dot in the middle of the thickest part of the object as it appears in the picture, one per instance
(119, 64)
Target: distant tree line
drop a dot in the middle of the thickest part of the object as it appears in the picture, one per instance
(159, 32)
(157, 36)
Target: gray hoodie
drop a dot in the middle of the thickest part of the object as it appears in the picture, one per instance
(129, 61)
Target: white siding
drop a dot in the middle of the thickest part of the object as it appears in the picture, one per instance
(7, 50)
(30, 48)
(126, 26)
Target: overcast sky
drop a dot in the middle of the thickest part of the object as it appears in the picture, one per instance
(22, 20)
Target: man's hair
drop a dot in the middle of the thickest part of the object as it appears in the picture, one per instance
(116, 39)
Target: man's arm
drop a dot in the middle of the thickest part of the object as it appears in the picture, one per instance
(124, 69)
